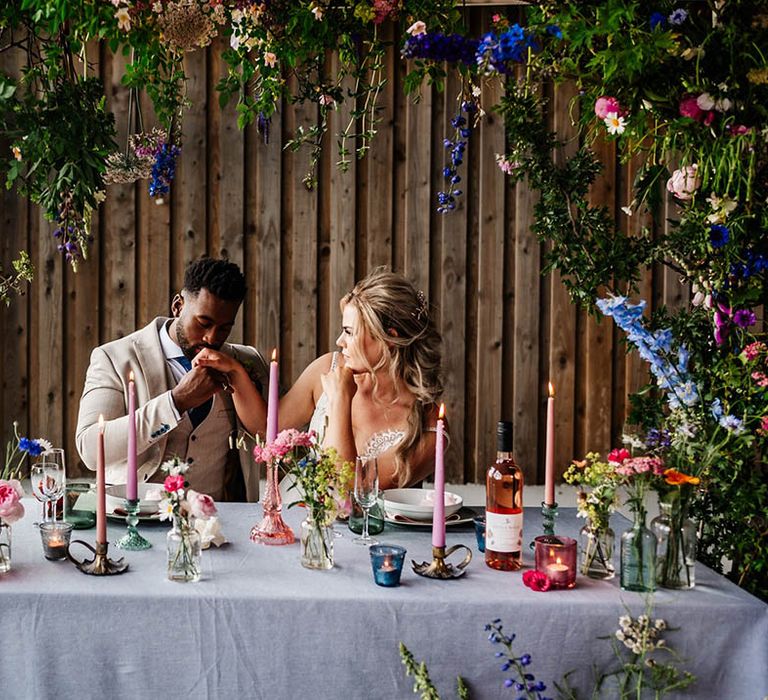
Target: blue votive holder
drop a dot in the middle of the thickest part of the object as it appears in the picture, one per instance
(479, 522)
(387, 563)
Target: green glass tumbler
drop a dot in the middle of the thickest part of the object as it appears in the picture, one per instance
(375, 519)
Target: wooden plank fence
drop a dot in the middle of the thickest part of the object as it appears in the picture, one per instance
(507, 330)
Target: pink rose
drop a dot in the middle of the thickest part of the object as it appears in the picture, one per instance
(618, 456)
(173, 483)
(684, 182)
(689, 107)
(607, 105)
(536, 580)
(11, 508)
(201, 505)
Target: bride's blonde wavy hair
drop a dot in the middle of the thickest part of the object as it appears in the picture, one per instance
(393, 311)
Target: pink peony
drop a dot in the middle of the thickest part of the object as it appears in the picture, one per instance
(607, 105)
(684, 182)
(173, 483)
(618, 456)
(536, 580)
(201, 505)
(11, 508)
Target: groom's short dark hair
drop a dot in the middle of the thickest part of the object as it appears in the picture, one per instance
(220, 277)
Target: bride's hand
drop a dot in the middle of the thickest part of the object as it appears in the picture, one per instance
(339, 384)
(216, 360)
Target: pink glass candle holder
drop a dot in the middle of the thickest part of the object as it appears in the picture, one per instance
(555, 556)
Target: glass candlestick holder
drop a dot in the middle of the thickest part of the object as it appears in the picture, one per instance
(132, 539)
(549, 514)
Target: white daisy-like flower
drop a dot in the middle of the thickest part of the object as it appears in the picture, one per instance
(615, 124)
(165, 509)
(45, 444)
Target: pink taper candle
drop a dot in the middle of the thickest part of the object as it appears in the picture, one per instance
(101, 496)
(549, 463)
(131, 489)
(438, 511)
(273, 400)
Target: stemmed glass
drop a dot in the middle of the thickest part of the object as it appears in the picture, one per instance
(48, 480)
(366, 492)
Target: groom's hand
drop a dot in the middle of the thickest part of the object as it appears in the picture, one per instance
(195, 388)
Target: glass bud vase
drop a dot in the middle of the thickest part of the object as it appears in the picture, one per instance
(316, 545)
(5, 546)
(596, 547)
(638, 556)
(184, 552)
(676, 543)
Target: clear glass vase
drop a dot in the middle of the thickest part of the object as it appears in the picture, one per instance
(184, 552)
(638, 556)
(675, 542)
(5, 546)
(596, 548)
(316, 545)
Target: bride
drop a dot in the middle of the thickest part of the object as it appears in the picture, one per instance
(377, 396)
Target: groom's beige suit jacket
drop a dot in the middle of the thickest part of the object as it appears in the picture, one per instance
(160, 433)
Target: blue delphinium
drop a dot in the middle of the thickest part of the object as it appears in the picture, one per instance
(656, 349)
(163, 170)
(446, 199)
(495, 52)
(658, 20)
(436, 46)
(522, 680)
(657, 439)
(719, 235)
(554, 30)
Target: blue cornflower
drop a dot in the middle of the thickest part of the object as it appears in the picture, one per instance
(719, 235)
(658, 20)
(732, 424)
(678, 16)
(31, 447)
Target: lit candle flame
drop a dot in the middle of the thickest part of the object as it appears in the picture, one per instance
(274, 355)
(101, 422)
(558, 561)
(551, 389)
(130, 376)
(441, 415)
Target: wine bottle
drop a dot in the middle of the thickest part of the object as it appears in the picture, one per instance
(504, 506)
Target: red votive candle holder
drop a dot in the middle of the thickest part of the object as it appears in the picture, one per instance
(555, 556)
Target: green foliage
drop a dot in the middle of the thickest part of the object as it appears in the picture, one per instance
(421, 681)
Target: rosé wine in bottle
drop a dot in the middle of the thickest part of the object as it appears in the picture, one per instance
(504, 506)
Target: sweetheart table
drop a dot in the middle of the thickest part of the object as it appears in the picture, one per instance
(259, 625)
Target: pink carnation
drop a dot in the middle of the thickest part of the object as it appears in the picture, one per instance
(201, 505)
(536, 580)
(760, 378)
(11, 508)
(642, 465)
(263, 453)
(294, 438)
(753, 350)
(618, 456)
(607, 105)
(173, 483)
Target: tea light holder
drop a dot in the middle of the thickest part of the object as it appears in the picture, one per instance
(101, 564)
(55, 537)
(132, 539)
(479, 523)
(387, 564)
(439, 567)
(555, 556)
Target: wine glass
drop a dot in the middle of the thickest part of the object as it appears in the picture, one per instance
(366, 492)
(56, 456)
(47, 479)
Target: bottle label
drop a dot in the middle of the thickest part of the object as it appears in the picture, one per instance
(503, 532)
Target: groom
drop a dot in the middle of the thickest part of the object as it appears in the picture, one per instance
(181, 410)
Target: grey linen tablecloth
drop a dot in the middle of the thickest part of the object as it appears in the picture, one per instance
(259, 625)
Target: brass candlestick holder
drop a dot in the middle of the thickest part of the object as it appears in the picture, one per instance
(132, 539)
(101, 564)
(439, 567)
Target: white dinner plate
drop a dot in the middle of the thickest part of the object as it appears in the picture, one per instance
(461, 517)
(115, 498)
(417, 504)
